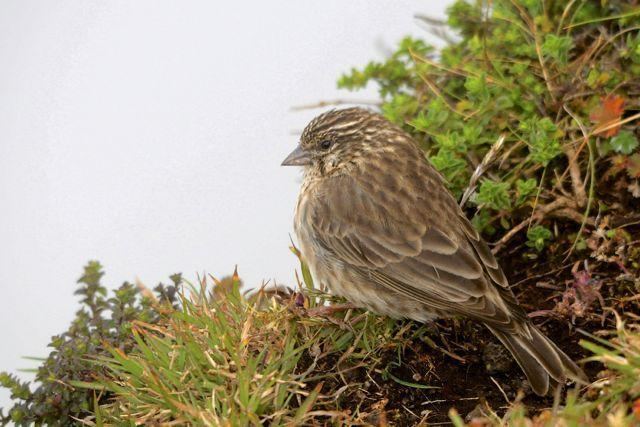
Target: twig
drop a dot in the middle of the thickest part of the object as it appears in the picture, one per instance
(535, 201)
(322, 104)
(430, 20)
(524, 17)
(538, 276)
(607, 18)
(559, 182)
(591, 180)
(608, 126)
(572, 215)
(434, 64)
(574, 168)
(584, 59)
(578, 95)
(514, 230)
(536, 39)
(545, 74)
(438, 94)
(558, 204)
(615, 36)
(501, 390)
(458, 71)
(576, 177)
(565, 13)
(437, 27)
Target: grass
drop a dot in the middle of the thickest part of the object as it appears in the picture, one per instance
(217, 356)
(234, 360)
(268, 359)
(215, 360)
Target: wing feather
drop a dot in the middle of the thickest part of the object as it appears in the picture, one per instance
(441, 263)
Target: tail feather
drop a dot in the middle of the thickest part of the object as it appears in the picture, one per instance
(539, 358)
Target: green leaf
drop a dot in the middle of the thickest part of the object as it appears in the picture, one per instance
(482, 222)
(540, 133)
(494, 194)
(420, 122)
(477, 88)
(525, 188)
(451, 166)
(451, 141)
(625, 142)
(557, 47)
(400, 108)
(538, 236)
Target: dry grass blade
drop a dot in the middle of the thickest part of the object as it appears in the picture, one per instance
(487, 161)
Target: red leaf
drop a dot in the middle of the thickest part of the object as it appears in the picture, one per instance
(608, 112)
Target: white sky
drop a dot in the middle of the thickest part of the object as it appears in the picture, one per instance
(148, 134)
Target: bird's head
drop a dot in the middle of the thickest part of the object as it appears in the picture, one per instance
(339, 138)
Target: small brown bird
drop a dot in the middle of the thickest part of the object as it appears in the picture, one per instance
(377, 225)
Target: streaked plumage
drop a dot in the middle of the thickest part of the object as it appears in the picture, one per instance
(376, 225)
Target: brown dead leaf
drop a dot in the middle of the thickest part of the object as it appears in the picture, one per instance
(608, 112)
(633, 166)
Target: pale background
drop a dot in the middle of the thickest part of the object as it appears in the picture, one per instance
(148, 134)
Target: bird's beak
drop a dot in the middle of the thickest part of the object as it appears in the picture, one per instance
(298, 157)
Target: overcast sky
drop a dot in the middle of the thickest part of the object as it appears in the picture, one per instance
(148, 134)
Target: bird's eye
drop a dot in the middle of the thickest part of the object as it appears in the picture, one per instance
(325, 144)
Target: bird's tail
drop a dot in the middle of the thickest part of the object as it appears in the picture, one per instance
(540, 359)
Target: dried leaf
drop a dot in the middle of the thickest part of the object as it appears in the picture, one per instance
(633, 166)
(634, 189)
(608, 112)
(636, 409)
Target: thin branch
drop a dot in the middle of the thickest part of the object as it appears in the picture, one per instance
(614, 125)
(438, 94)
(592, 169)
(615, 36)
(559, 203)
(509, 235)
(437, 27)
(606, 127)
(607, 18)
(585, 58)
(535, 201)
(565, 13)
(435, 64)
(574, 168)
(461, 72)
(335, 102)
(545, 74)
(430, 20)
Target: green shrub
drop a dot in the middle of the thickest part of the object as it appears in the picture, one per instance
(101, 324)
(557, 79)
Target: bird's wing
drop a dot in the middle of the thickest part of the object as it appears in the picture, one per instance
(415, 242)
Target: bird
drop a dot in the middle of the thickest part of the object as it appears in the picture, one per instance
(377, 225)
